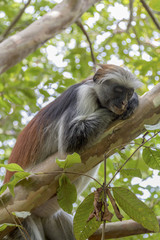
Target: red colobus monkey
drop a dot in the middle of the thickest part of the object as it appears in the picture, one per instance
(69, 124)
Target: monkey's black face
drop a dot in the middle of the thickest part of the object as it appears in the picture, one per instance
(116, 98)
(120, 97)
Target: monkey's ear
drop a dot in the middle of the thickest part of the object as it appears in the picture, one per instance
(98, 66)
(99, 73)
(95, 77)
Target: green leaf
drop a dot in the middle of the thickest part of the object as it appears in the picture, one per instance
(131, 172)
(152, 158)
(29, 93)
(5, 105)
(1, 87)
(16, 178)
(21, 214)
(123, 156)
(155, 5)
(5, 225)
(45, 93)
(66, 194)
(14, 99)
(82, 228)
(3, 188)
(12, 167)
(69, 161)
(152, 127)
(135, 208)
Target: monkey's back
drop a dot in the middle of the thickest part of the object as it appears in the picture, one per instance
(39, 139)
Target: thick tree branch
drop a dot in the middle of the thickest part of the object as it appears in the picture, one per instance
(13, 23)
(34, 191)
(121, 229)
(19, 46)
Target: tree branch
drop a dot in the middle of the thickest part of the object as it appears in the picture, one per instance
(89, 41)
(131, 14)
(121, 229)
(19, 46)
(15, 20)
(150, 14)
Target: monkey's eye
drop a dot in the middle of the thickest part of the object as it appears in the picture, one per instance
(118, 89)
(130, 93)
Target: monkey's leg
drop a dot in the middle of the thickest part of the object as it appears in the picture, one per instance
(59, 226)
(33, 226)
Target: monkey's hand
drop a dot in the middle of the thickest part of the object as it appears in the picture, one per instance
(132, 105)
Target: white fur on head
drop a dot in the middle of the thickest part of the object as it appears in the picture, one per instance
(117, 74)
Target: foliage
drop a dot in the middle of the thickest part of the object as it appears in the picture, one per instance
(82, 228)
(155, 4)
(66, 60)
(19, 175)
(69, 161)
(66, 194)
(136, 209)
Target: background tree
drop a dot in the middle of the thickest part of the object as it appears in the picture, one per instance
(121, 32)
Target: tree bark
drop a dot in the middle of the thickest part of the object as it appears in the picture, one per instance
(20, 45)
(37, 189)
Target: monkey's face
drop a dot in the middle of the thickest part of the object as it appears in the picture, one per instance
(115, 97)
(120, 96)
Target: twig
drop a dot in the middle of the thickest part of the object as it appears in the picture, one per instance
(150, 14)
(79, 24)
(14, 220)
(138, 41)
(68, 172)
(131, 14)
(144, 135)
(145, 42)
(23, 228)
(15, 20)
(131, 157)
(104, 189)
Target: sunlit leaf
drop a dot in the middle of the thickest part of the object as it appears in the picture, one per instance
(135, 208)
(22, 214)
(12, 167)
(152, 158)
(69, 161)
(5, 225)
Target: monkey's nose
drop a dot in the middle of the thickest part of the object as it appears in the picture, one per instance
(124, 104)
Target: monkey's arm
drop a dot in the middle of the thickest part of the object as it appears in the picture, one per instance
(83, 130)
(132, 105)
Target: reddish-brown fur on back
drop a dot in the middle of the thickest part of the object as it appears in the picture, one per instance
(27, 144)
(29, 147)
